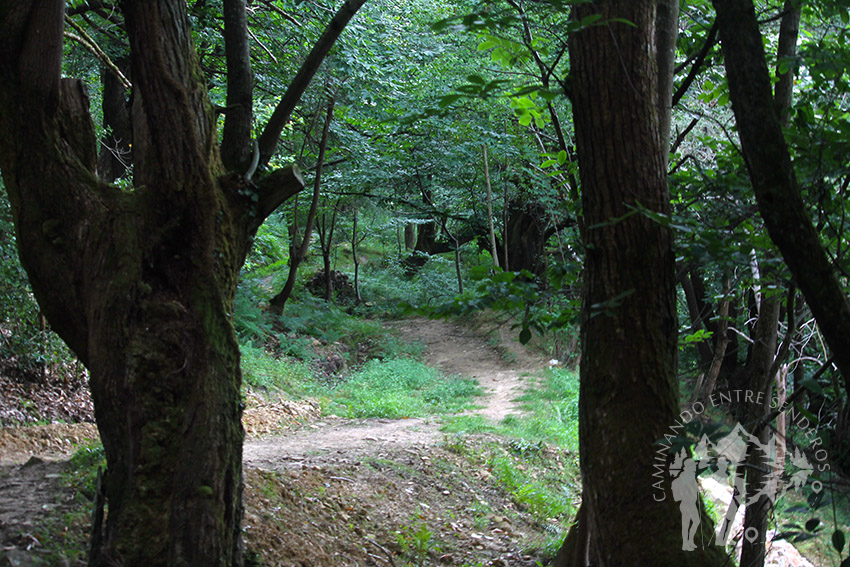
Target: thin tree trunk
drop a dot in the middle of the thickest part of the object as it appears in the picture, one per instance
(506, 258)
(278, 302)
(758, 470)
(493, 250)
(697, 319)
(356, 260)
(326, 237)
(720, 345)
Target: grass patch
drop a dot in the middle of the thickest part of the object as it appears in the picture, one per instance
(263, 372)
(536, 461)
(552, 411)
(456, 424)
(399, 388)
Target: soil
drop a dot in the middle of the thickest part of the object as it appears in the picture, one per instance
(323, 492)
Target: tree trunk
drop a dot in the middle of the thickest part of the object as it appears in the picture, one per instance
(326, 238)
(720, 345)
(698, 318)
(774, 182)
(278, 302)
(139, 284)
(758, 469)
(490, 229)
(355, 259)
(409, 236)
(628, 392)
(526, 236)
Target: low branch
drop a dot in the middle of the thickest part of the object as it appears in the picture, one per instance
(86, 41)
(275, 188)
(710, 41)
(271, 134)
(273, 8)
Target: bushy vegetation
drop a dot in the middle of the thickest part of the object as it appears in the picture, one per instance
(398, 388)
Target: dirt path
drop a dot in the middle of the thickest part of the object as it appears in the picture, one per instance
(330, 492)
(454, 349)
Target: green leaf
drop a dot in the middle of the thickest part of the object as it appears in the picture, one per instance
(588, 21)
(812, 524)
(562, 157)
(487, 44)
(448, 99)
(525, 119)
(524, 335)
(838, 540)
(623, 21)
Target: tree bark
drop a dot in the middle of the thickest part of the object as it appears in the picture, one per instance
(355, 258)
(771, 171)
(326, 239)
(140, 284)
(758, 469)
(236, 134)
(628, 392)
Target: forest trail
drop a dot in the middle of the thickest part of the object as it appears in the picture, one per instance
(455, 350)
(326, 491)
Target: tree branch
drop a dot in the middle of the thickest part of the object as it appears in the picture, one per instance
(774, 182)
(270, 136)
(273, 189)
(236, 134)
(710, 41)
(86, 41)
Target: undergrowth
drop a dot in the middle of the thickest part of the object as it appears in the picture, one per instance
(533, 456)
(64, 536)
(398, 388)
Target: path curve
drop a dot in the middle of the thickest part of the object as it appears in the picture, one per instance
(451, 347)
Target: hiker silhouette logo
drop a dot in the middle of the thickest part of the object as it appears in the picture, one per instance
(734, 469)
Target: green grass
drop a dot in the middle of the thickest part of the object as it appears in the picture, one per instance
(536, 459)
(262, 371)
(398, 388)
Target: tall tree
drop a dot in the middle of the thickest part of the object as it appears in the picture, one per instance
(140, 284)
(774, 181)
(628, 396)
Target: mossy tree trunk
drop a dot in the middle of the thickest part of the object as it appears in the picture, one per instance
(628, 392)
(140, 284)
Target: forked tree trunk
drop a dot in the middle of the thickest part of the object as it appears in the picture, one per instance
(628, 393)
(140, 284)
